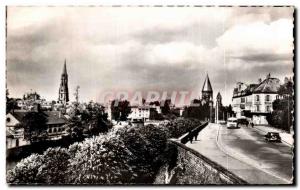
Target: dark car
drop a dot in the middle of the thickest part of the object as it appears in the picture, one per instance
(273, 137)
(242, 121)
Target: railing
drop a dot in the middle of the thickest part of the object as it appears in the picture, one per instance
(193, 133)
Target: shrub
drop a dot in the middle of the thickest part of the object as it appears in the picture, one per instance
(101, 160)
(127, 155)
(26, 171)
(49, 168)
(55, 164)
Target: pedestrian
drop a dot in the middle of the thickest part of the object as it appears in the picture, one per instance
(196, 136)
(191, 139)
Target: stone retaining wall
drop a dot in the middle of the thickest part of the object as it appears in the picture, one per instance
(187, 166)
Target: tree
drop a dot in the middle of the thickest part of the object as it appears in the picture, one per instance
(120, 110)
(54, 166)
(98, 122)
(35, 126)
(75, 128)
(165, 109)
(11, 103)
(48, 168)
(281, 116)
(26, 171)
(101, 160)
(124, 156)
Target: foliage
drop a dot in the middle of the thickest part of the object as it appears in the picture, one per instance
(281, 116)
(165, 109)
(11, 103)
(26, 171)
(197, 110)
(49, 168)
(35, 128)
(88, 122)
(125, 155)
(102, 159)
(54, 166)
(120, 110)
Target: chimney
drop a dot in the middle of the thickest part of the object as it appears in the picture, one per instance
(259, 80)
(268, 75)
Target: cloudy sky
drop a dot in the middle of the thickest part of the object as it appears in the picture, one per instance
(145, 48)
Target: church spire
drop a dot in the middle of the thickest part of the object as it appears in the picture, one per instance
(207, 86)
(63, 94)
(65, 68)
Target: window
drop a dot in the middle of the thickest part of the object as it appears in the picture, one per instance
(257, 98)
(242, 106)
(243, 100)
(257, 108)
(267, 98)
(268, 109)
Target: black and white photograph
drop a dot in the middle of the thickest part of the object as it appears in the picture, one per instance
(150, 95)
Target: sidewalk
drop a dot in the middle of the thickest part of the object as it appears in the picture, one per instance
(285, 137)
(207, 146)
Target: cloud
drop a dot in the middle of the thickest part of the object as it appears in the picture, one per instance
(145, 48)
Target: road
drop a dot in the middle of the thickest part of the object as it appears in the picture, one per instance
(244, 152)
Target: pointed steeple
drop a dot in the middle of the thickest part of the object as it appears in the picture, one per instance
(65, 68)
(207, 86)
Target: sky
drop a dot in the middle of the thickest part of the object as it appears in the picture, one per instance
(145, 48)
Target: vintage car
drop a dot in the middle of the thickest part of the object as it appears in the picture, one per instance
(272, 137)
(232, 123)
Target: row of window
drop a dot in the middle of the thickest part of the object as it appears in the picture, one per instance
(267, 98)
(55, 130)
(268, 108)
(257, 98)
(257, 108)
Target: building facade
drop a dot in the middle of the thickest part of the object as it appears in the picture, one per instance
(63, 94)
(56, 127)
(255, 100)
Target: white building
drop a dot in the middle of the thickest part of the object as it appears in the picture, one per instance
(139, 113)
(255, 100)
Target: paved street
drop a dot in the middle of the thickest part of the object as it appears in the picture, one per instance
(244, 152)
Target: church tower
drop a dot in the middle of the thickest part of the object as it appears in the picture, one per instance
(207, 98)
(63, 95)
(207, 92)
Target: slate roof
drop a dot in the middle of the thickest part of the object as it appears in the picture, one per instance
(269, 85)
(52, 116)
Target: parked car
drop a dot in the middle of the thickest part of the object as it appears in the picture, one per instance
(232, 123)
(272, 137)
(243, 121)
